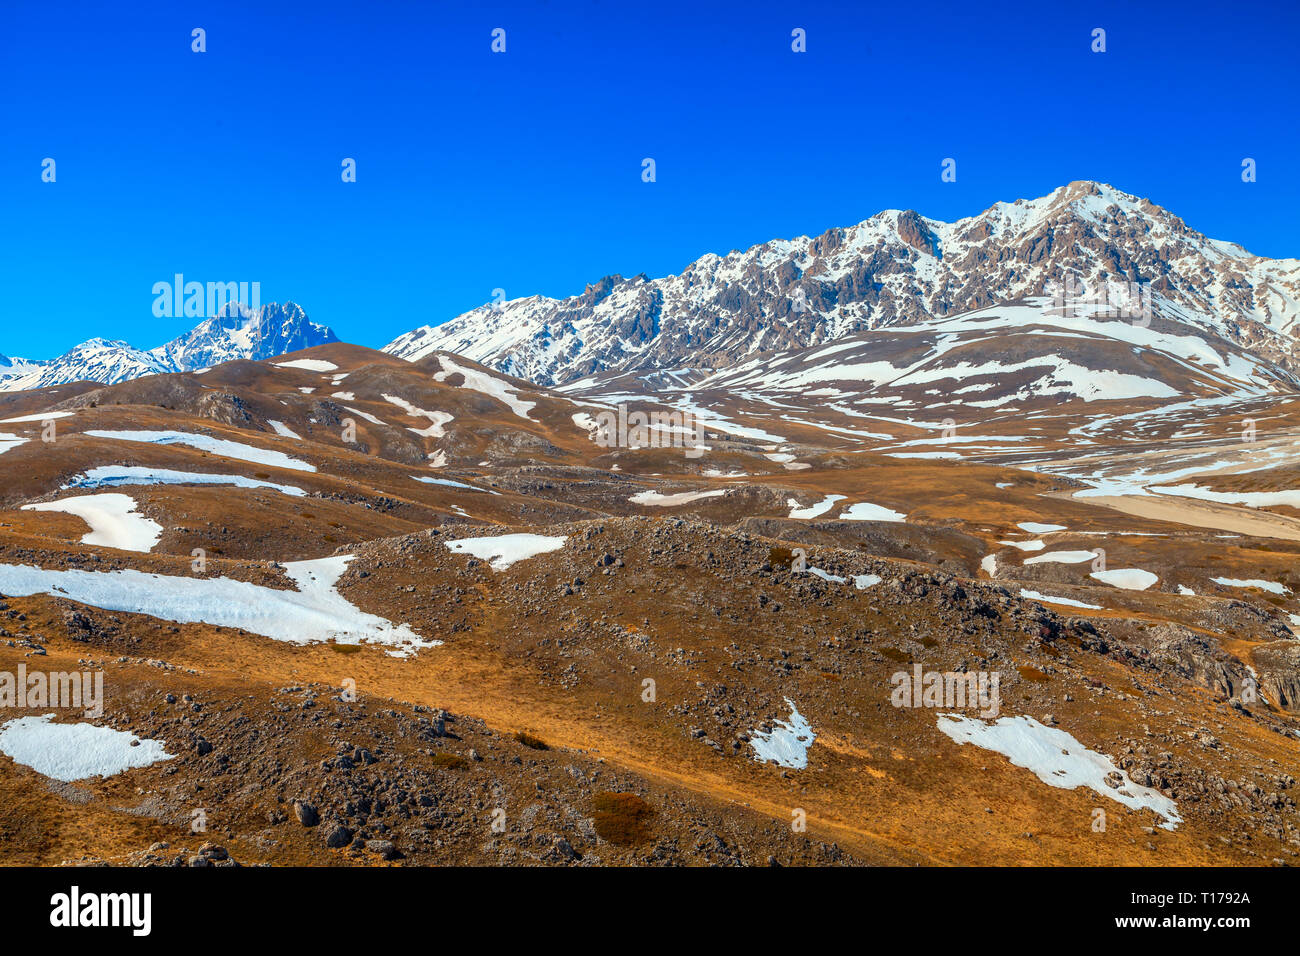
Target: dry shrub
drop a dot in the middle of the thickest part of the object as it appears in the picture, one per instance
(1034, 674)
(622, 818)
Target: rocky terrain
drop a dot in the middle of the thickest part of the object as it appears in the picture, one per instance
(352, 609)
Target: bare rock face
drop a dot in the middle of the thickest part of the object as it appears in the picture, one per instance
(305, 814)
(1198, 659)
(513, 443)
(1279, 681)
(896, 268)
(225, 408)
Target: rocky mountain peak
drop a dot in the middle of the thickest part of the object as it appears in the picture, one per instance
(896, 268)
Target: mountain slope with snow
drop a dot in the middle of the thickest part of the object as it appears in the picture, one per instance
(1014, 353)
(895, 268)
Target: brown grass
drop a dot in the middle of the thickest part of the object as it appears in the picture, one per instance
(449, 761)
(622, 818)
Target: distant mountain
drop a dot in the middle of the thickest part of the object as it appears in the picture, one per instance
(894, 269)
(237, 333)
(245, 334)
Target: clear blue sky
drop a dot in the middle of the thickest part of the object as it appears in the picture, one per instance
(523, 170)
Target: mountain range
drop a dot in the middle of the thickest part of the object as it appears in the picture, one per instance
(235, 333)
(865, 286)
(894, 269)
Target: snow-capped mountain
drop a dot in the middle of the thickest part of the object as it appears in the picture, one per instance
(237, 333)
(240, 333)
(896, 268)
(11, 368)
(96, 360)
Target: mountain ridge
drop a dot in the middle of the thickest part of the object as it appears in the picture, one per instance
(895, 268)
(235, 333)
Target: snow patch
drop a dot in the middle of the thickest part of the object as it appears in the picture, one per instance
(1130, 579)
(70, 752)
(113, 519)
(681, 498)
(111, 476)
(1062, 557)
(436, 419)
(502, 391)
(502, 550)
(786, 745)
(452, 484)
(1057, 759)
(215, 446)
(1035, 545)
(1270, 586)
(812, 511)
(310, 365)
(1067, 602)
(282, 429)
(865, 511)
(43, 416)
(313, 613)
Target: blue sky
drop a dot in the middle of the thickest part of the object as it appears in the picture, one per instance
(523, 170)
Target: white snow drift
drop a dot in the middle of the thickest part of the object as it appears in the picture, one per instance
(313, 613)
(502, 391)
(1066, 602)
(1271, 586)
(1037, 527)
(111, 476)
(283, 430)
(815, 510)
(502, 550)
(1062, 557)
(452, 484)
(1057, 759)
(1130, 579)
(309, 365)
(43, 416)
(70, 752)
(215, 446)
(786, 745)
(437, 419)
(865, 511)
(681, 498)
(113, 519)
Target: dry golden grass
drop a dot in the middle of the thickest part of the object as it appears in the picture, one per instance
(622, 818)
